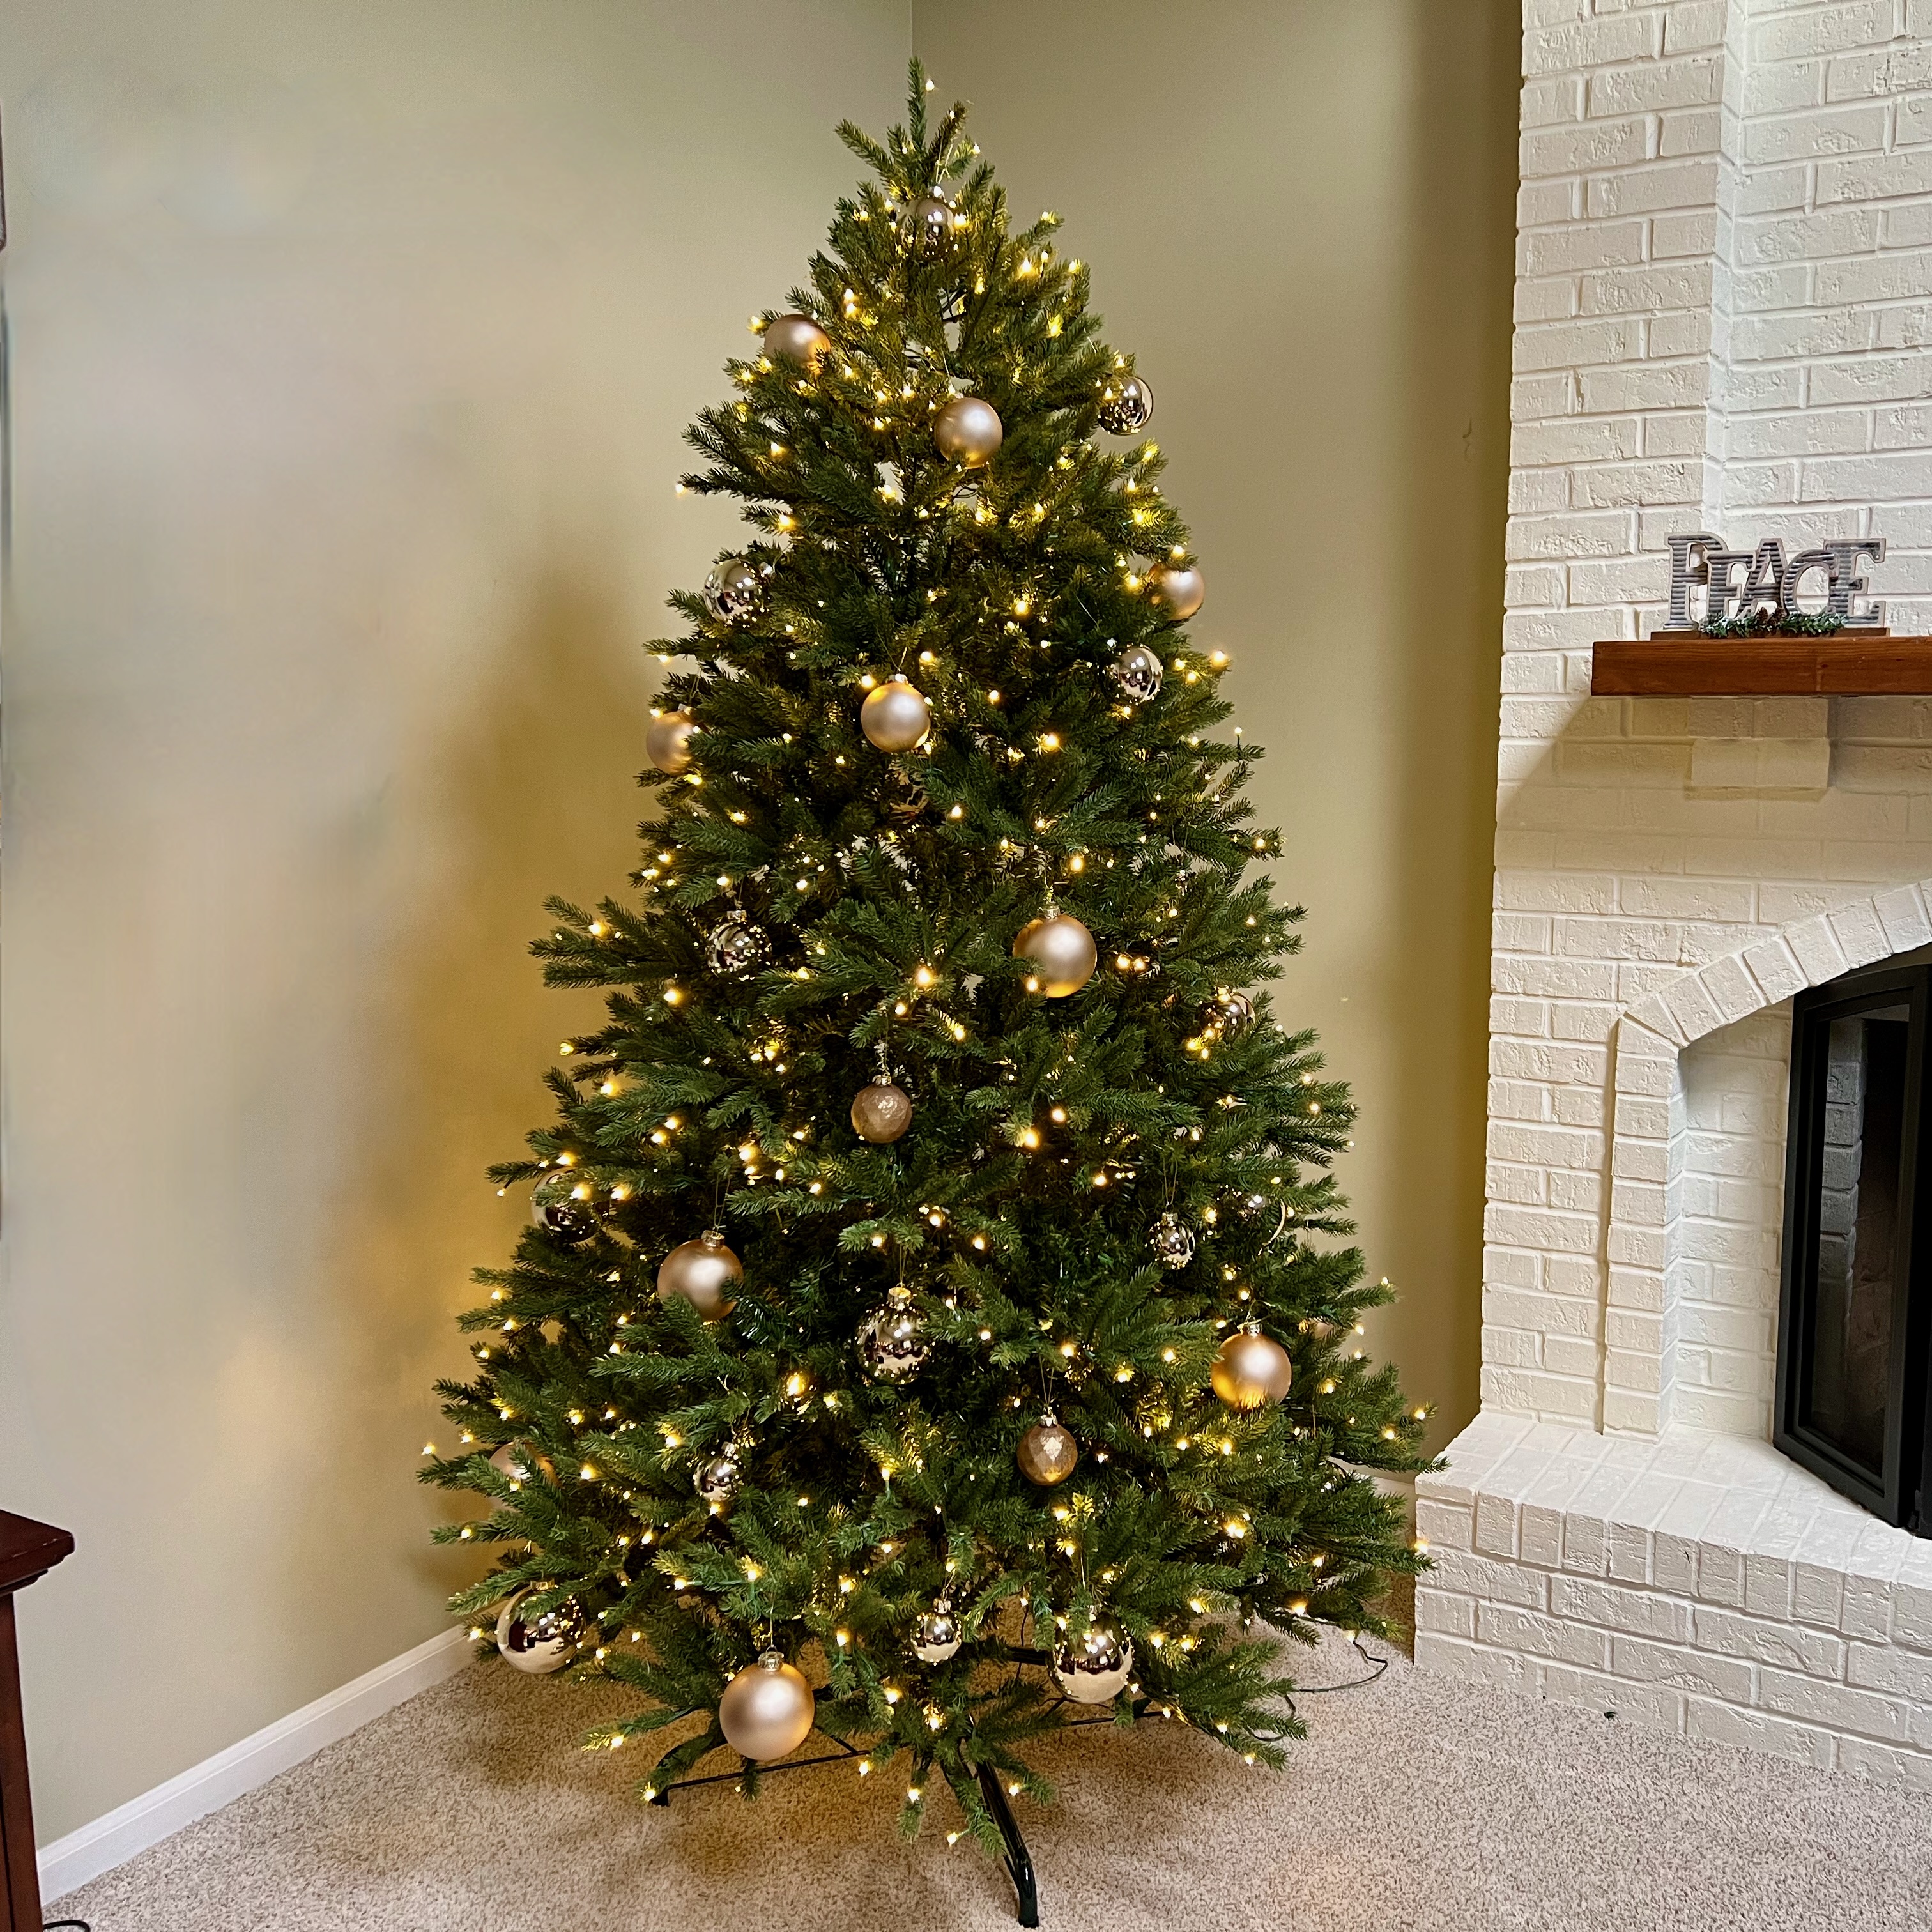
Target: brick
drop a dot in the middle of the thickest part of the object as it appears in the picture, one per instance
(1838, 231)
(1582, 147)
(1823, 30)
(1566, 345)
(1684, 184)
(1644, 1613)
(1876, 177)
(1896, 70)
(1590, 244)
(1873, 379)
(1825, 131)
(1838, 1707)
(1435, 1651)
(1655, 84)
(1693, 1671)
(1591, 44)
(1442, 1610)
(1885, 1764)
(1719, 1722)
(1553, 98)
(1775, 87)
(1625, 291)
(1760, 1640)
(1508, 1628)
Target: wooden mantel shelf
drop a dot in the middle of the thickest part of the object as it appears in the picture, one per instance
(1686, 663)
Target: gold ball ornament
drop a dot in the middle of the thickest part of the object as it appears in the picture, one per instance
(968, 430)
(894, 716)
(704, 1272)
(1251, 1370)
(668, 742)
(1180, 589)
(1061, 951)
(767, 1709)
(1047, 1453)
(929, 223)
(796, 338)
(881, 1112)
(541, 1644)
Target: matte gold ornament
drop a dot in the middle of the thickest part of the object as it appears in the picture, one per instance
(668, 742)
(936, 1634)
(1047, 1453)
(1252, 1370)
(538, 1645)
(893, 1344)
(968, 430)
(1061, 951)
(1138, 671)
(560, 1206)
(894, 716)
(1126, 405)
(1095, 1669)
(796, 338)
(734, 592)
(702, 1271)
(881, 1112)
(767, 1709)
(1180, 589)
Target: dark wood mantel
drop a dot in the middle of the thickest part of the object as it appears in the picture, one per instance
(28, 1551)
(1686, 663)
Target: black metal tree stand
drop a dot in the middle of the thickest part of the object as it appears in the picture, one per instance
(1018, 1860)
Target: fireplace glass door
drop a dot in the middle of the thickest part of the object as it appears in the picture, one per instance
(1851, 1331)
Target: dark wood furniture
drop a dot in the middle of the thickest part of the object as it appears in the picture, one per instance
(28, 1550)
(1686, 663)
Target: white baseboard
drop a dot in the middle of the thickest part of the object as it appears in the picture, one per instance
(218, 1781)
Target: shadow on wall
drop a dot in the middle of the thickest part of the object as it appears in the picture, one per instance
(556, 700)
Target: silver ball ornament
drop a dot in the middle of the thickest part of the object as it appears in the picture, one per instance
(936, 1634)
(1231, 1012)
(719, 1478)
(1251, 1370)
(968, 430)
(1180, 589)
(1139, 672)
(734, 591)
(1095, 1669)
(668, 742)
(560, 1206)
(1126, 405)
(736, 945)
(1061, 951)
(894, 716)
(1172, 1241)
(702, 1272)
(892, 1344)
(521, 1463)
(881, 1112)
(796, 338)
(538, 1645)
(767, 1709)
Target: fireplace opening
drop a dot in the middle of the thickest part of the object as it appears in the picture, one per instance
(1855, 1308)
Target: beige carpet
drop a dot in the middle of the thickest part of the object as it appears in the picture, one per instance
(1417, 1804)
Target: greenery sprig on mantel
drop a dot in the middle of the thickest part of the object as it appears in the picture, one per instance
(1764, 622)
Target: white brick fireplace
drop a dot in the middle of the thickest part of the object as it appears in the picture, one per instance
(1724, 323)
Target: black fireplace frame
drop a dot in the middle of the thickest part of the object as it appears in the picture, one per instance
(1902, 1493)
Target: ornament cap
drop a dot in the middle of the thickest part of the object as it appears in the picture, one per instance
(772, 1660)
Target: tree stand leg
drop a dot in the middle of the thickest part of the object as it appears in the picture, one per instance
(1019, 1864)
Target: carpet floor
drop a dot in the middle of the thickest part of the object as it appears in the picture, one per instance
(1417, 1805)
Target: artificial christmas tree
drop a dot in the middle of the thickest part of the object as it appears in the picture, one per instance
(932, 1275)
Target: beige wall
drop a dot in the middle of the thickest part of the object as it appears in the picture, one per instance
(351, 343)
(1300, 215)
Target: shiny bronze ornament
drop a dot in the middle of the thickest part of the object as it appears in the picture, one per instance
(767, 1709)
(881, 1112)
(734, 592)
(796, 338)
(719, 1478)
(541, 1644)
(1172, 1241)
(1126, 405)
(929, 223)
(1095, 1669)
(1252, 1370)
(968, 430)
(1047, 1453)
(894, 716)
(560, 1206)
(892, 1344)
(1061, 951)
(1180, 589)
(704, 1272)
(1137, 672)
(668, 742)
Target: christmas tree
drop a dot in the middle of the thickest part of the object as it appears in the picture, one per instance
(932, 1324)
